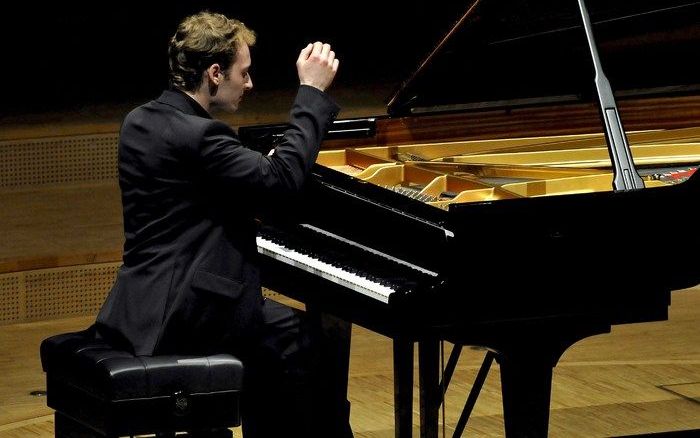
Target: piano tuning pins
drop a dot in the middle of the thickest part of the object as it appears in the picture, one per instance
(408, 156)
(426, 198)
(411, 193)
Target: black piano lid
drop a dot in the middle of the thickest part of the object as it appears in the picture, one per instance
(507, 53)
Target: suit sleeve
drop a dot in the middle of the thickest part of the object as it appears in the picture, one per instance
(229, 162)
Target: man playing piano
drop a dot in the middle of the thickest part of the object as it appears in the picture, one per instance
(189, 283)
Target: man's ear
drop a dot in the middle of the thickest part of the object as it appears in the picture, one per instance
(215, 74)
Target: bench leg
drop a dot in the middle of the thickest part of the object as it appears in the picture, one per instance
(66, 427)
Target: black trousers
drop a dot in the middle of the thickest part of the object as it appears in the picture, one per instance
(295, 382)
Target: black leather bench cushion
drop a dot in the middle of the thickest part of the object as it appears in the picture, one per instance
(93, 366)
(95, 388)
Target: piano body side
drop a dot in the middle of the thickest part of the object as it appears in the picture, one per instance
(506, 259)
(419, 184)
(613, 255)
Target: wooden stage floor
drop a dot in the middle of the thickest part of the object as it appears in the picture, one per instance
(639, 379)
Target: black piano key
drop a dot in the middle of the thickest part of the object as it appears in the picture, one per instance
(347, 257)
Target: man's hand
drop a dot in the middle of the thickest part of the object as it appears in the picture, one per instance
(317, 65)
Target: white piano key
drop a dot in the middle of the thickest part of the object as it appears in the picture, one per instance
(317, 267)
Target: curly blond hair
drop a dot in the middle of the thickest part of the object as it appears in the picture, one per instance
(201, 40)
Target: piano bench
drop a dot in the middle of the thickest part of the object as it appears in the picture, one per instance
(98, 391)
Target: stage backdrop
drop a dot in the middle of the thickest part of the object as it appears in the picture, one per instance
(68, 54)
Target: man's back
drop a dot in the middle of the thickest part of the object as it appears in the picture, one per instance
(187, 190)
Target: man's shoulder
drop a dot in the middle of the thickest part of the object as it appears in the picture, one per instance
(143, 109)
(157, 110)
(161, 116)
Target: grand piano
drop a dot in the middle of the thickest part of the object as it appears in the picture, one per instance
(501, 202)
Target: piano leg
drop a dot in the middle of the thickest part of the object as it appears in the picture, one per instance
(429, 381)
(526, 384)
(526, 376)
(333, 339)
(429, 378)
(527, 356)
(403, 388)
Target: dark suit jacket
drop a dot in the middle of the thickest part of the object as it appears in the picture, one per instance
(190, 190)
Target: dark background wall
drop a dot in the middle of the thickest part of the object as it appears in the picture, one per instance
(68, 54)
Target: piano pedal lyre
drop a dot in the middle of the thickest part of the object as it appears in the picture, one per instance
(479, 381)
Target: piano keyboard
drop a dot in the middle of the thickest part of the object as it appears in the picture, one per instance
(326, 261)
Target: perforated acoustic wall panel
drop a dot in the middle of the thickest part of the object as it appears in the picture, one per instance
(11, 298)
(57, 160)
(55, 293)
(60, 292)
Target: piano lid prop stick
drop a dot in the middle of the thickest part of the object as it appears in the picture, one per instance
(625, 174)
